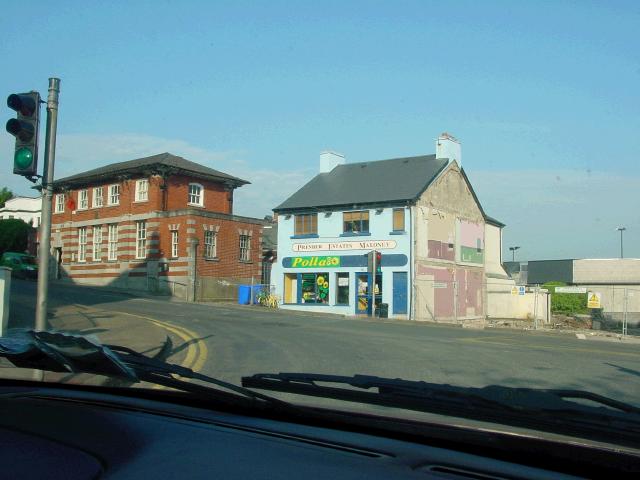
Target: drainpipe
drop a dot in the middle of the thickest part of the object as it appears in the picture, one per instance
(411, 260)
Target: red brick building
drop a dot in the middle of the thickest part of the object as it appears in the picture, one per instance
(161, 224)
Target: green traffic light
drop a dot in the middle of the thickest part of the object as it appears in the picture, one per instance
(23, 158)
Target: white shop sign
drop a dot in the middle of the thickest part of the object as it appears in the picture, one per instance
(342, 246)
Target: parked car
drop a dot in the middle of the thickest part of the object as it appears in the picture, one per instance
(22, 265)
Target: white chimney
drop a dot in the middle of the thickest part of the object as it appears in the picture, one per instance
(448, 146)
(330, 160)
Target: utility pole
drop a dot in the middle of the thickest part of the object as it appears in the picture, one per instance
(47, 195)
(621, 230)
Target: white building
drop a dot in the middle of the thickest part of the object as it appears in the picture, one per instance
(24, 208)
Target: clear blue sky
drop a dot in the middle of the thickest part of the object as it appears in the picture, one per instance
(544, 97)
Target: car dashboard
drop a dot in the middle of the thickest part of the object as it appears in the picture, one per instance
(54, 433)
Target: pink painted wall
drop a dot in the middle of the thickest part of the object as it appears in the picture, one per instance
(470, 232)
(469, 292)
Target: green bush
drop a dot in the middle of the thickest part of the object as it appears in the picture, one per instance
(566, 302)
(14, 235)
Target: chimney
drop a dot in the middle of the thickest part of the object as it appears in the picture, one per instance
(330, 160)
(448, 146)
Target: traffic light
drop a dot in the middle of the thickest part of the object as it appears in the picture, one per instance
(377, 256)
(25, 128)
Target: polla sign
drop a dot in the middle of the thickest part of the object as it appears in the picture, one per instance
(310, 262)
(342, 246)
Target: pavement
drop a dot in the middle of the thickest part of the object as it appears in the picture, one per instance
(70, 312)
(230, 341)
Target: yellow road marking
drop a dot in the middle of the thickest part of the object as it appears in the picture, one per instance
(197, 351)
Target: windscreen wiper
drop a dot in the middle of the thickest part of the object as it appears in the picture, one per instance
(61, 352)
(552, 410)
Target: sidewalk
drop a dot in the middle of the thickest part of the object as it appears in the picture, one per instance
(106, 327)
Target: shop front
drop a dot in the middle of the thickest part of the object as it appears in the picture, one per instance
(341, 283)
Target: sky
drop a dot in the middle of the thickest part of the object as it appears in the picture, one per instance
(543, 96)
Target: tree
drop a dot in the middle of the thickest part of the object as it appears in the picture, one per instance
(14, 235)
(5, 194)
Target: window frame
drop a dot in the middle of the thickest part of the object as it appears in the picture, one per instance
(305, 224)
(400, 211)
(200, 195)
(210, 248)
(60, 200)
(97, 246)
(361, 220)
(175, 239)
(112, 242)
(94, 200)
(82, 244)
(141, 239)
(142, 194)
(347, 286)
(110, 201)
(83, 203)
(246, 248)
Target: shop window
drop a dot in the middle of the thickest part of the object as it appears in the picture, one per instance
(306, 224)
(398, 219)
(314, 288)
(342, 288)
(356, 222)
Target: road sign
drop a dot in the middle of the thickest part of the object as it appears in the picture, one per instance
(514, 291)
(571, 289)
(519, 290)
(594, 300)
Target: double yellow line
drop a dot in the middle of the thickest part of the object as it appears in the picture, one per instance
(197, 351)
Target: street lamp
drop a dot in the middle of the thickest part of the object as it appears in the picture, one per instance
(621, 229)
(513, 253)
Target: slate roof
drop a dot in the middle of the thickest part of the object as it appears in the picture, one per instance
(156, 163)
(384, 181)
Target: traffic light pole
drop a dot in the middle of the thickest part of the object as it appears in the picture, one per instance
(47, 195)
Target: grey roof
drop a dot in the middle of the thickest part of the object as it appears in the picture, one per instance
(379, 182)
(158, 162)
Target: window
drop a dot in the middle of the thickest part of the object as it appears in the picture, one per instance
(209, 244)
(83, 199)
(356, 222)
(98, 197)
(60, 203)
(114, 194)
(112, 247)
(82, 244)
(342, 288)
(97, 242)
(195, 194)
(141, 239)
(174, 243)
(306, 224)
(142, 190)
(398, 219)
(314, 288)
(245, 244)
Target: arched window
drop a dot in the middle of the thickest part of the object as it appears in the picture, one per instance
(196, 194)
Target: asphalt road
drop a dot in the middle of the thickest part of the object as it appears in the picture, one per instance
(233, 341)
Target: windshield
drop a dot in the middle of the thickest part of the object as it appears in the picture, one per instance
(417, 191)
